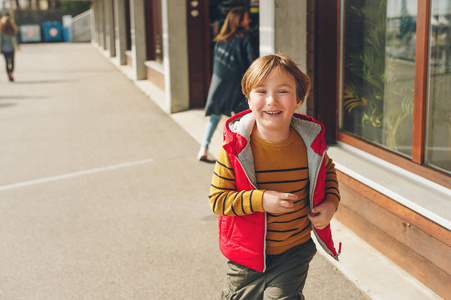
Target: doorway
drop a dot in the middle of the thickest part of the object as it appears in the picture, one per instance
(205, 19)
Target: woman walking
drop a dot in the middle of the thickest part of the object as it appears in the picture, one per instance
(233, 54)
(8, 31)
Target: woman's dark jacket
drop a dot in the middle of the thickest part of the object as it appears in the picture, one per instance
(232, 57)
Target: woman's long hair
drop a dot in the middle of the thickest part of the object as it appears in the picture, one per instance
(231, 24)
(7, 26)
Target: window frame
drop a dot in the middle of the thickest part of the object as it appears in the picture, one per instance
(416, 163)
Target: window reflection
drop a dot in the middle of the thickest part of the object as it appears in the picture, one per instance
(438, 134)
(378, 71)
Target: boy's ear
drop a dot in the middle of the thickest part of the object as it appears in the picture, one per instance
(298, 103)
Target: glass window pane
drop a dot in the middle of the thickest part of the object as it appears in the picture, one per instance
(438, 130)
(378, 71)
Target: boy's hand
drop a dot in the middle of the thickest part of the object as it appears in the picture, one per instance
(278, 203)
(323, 214)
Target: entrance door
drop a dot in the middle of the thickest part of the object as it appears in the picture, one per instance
(198, 52)
(205, 19)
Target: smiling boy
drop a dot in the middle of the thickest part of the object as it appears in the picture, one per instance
(273, 182)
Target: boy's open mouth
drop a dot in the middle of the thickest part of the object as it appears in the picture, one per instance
(273, 113)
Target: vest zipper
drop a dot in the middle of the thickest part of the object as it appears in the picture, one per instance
(266, 216)
(320, 241)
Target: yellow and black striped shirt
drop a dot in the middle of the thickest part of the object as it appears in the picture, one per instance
(281, 167)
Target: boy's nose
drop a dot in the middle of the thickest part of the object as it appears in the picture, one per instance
(271, 99)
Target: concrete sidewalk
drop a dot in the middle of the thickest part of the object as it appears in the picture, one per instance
(102, 196)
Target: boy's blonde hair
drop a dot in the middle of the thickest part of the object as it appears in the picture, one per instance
(263, 66)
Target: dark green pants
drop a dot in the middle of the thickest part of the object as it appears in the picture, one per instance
(284, 277)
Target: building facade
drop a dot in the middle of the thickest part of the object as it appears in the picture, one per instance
(380, 84)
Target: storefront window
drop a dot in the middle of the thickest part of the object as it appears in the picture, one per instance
(438, 133)
(378, 72)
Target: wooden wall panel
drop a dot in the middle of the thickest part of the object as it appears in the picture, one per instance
(427, 273)
(426, 225)
(415, 243)
(391, 224)
(155, 77)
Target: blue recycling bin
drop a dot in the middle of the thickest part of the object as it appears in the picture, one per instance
(67, 35)
(52, 31)
(30, 33)
(67, 25)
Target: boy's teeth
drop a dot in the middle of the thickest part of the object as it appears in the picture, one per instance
(273, 113)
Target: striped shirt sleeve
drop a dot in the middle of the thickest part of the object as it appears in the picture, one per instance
(331, 187)
(224, 198)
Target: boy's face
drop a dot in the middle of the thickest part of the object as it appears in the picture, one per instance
(273, 103)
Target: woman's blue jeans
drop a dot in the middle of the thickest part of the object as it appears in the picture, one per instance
(9, 61)
(210, 129)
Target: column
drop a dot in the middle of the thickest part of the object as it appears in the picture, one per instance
(175, 55)
(266, 27)
(290, 24)
(109, 28)
(120, 31)
(283, 29)
(138, 36)
(101, 24)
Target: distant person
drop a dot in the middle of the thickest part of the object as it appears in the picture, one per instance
(234, 52)
(273, 184)
(8, 43)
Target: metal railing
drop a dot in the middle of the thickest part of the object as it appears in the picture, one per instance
(81, 27)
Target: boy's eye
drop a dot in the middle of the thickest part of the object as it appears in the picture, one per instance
(283, 91)
(260, 91)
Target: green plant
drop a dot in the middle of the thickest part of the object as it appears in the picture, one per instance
(367, 89)
(377, 94)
